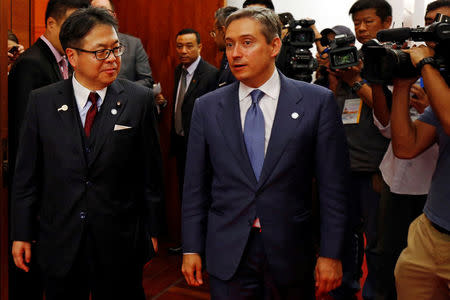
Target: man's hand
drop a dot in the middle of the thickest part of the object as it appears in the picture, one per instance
(21, 250)
(155, 244)
(350, 75)
(328, 275)
(12, 57)
(419, 53)
(192, 269)
(420, 101)
(160, 100)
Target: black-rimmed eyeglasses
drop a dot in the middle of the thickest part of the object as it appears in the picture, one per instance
(104, 53)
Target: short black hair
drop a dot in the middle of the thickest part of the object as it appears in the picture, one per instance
(81, 22)
(266, 3)
(188, 31)
(437, 4)
(57, 8)
(382, 8)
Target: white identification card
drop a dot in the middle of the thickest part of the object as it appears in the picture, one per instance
(352, 111)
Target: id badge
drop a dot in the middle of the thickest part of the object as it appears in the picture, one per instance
(352, 111)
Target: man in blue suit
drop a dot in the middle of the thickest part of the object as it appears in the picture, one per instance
(253, 149)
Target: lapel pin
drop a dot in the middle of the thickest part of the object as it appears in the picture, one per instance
(63, 108)
(294, 115)
(193, 80)
(114, 111)
(118, 104)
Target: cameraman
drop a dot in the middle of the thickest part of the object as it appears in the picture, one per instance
(423, 269)
(367, 148)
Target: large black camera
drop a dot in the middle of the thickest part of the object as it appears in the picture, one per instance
(299, 62)
(383, 63)
(341, 52)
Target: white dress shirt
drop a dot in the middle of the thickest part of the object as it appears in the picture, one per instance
(81, 97)
(407, 176)
(268, 103)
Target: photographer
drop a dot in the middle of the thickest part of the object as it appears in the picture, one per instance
(14, 49)
(407, 182)
(418, 274)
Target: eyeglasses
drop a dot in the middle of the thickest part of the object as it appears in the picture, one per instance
(104, 53)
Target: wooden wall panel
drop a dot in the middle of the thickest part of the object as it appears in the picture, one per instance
(4, 249)
(156, 23)
(20, 21)
(38, 18)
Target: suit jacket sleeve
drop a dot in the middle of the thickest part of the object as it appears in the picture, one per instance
(143, 70)
(332, 171)
(153, 168)
(25, 193)
(25, 76)
(196, 192)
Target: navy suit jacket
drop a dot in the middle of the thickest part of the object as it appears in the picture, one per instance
(222, 196)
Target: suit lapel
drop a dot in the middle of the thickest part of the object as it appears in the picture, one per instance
(65, 106)
(108, 119)
(48, 52)
(288, 116)
(194, 81)
(229, 120)
(177, 80)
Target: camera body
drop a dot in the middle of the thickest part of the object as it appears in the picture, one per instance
(300, 63)
(383, 62)
(342, 54)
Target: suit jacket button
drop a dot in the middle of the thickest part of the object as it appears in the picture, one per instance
(88, 183)
(82, 215)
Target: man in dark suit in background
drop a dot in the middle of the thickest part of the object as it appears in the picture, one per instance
(253, 149)
(135, 65)
(89, 168)
(218, 34)
(194, 77)
(40, 65)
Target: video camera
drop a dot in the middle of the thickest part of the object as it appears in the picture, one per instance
(342, 55)
(383, 63)
(300, 63)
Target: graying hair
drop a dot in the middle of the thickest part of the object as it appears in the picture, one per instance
(269, 20)
(222, 14)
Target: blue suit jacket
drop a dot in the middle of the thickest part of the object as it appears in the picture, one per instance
(222, 196)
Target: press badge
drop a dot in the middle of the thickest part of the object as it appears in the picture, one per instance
(352, 111)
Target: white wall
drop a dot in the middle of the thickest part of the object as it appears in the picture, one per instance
(329, 13)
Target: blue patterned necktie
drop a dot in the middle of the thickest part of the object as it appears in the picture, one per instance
(254, 133)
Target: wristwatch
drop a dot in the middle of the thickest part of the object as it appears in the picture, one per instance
(425, 61)
(358, 85)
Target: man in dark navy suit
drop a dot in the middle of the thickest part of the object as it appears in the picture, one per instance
(253, 149)
(89, 170)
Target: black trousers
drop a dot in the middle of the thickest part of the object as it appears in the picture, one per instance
(253, 279)
(180, 155)
(87, 277)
